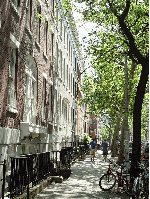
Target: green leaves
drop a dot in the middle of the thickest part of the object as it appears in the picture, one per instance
(67, 5)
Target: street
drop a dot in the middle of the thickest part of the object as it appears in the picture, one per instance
(83, 182)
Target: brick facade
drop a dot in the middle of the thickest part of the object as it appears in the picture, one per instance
(39, 64)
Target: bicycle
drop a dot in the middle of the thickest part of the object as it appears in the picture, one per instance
(141, 182)
(108, 180)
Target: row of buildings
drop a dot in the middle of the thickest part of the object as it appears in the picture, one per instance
(40, 79)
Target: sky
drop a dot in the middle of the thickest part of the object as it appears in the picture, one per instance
(83, 29)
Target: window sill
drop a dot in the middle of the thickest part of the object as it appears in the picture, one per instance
(12, 109)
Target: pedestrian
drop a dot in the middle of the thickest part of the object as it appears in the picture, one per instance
(93, 146)
(105, 149)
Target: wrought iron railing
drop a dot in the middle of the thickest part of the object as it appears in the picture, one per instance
(29, 170)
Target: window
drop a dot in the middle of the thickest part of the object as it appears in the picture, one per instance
(65, 111)
(56, 17)
(38, 21)
(71, 53)
(61, 27)
(73, 117)
(71, 83)
(52, 43)
(50, 103)
(45, 37)
(12, 79)
(67, 42)
(76, 89)
(75, 64)
(69, 50)
(67, 75)
(56, 56)
(60, 105)
(64, 34)
(64, 70)
(73, 88)
(68, 114)
(65, 106)
(44, 99)
(56, 106)
(61, 63)
(29, 13)
(69, 78)
(52, 6)
(77, 67)
(71, 114)
(30, 91)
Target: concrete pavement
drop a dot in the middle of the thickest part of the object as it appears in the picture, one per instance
(83, 182)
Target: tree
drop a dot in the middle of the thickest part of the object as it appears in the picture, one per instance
(106, 128)
(126, 25)
(145, 117)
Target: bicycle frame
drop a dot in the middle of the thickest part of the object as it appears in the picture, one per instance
(122, 179)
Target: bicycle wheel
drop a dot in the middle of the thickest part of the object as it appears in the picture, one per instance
(107, 181)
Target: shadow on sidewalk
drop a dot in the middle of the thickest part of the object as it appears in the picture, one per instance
(83, 182)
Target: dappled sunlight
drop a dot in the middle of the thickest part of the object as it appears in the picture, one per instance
(83, 182)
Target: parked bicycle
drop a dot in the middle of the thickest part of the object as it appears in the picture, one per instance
(113, 175)
(141, 182)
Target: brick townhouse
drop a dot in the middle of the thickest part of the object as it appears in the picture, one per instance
(39, 64)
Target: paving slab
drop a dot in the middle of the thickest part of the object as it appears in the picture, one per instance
(83, 182)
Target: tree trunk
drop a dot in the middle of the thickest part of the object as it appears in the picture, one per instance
(121, 152)
(134, 52)
(114, 146)
(136, 149)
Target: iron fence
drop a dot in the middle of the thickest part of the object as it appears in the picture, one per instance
(3, 164)
(29, 170)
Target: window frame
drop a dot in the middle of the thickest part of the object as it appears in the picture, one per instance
(46, 37)
(44, 99)
(30, 89)
(29, 14)
(38, 32)
(12, 93)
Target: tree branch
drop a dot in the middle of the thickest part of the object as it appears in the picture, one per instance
(126, 10)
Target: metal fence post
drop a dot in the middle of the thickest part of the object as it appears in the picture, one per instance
(4, 171)
(28, 177)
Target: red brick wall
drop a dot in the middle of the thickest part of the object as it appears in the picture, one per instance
(12, 23)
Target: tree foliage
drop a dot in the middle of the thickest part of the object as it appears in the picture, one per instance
(108, 48)
(122, 30)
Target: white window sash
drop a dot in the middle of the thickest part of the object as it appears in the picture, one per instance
(12, 77)
(30, 109)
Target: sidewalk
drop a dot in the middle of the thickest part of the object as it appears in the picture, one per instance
(83, 182)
